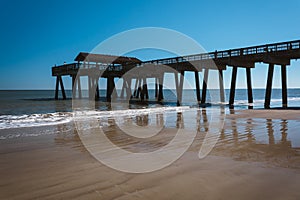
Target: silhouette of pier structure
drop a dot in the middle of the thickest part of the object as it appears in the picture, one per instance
(96, 66)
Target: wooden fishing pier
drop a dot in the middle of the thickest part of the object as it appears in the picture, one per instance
(96, 66)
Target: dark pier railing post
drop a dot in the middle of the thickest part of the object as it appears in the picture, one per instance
(284, 86)
(249, 88)
(269, 86)
(221, 85)
(197, 86)
(204, 86)
(232, 87)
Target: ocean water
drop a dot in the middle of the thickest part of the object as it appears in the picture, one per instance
(26, 108)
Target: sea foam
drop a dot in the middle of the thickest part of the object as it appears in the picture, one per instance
(33, 120)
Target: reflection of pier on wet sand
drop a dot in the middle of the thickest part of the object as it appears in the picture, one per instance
(244, 135)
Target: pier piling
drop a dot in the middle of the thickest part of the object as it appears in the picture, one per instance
(204, 86)
(284, 86)
(197, 86)
(269, 85)
(249, 88)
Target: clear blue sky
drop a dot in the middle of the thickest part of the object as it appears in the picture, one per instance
(35, 35)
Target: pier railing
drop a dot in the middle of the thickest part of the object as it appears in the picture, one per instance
(72, 68)
(261, 49)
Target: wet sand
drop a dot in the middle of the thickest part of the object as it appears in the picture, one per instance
(256, 157)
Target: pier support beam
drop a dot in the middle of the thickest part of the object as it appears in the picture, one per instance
(60, 82)
(97, 95)
(284, 86)
(177, 87)
(110, 87)
(249, 88)
(74, 86)
(113, 94)
(156, 87)
(204, 86)
(89, 86)
(197, 86)
(62, 88)
(139, 89)
(160, 88)
(180, 88)
(142, 89)
(93, 89)
(145, 94)
(135, 88)
(232, 87)
(269, 86)
(128, 88)
(56, 88)
(79, 87)
(123, 88)
(221, 85)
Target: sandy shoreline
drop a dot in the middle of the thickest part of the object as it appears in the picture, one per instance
(255, 158)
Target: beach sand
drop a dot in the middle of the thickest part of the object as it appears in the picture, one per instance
(257, 157)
